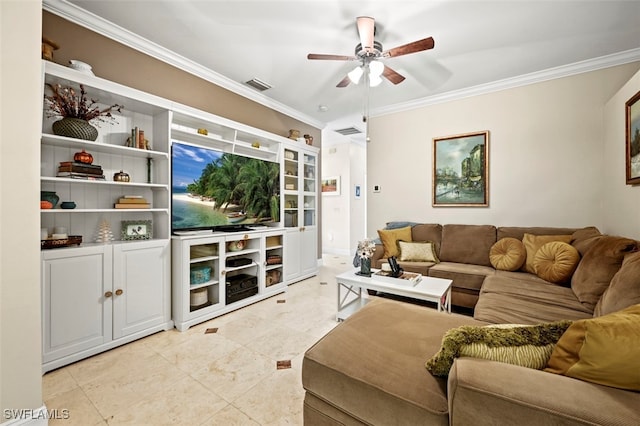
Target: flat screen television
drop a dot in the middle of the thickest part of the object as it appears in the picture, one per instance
(221, 191)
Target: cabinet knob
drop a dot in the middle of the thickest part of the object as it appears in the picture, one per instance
(223, 272)
(108, 294)
(119, 292)
(246, 236)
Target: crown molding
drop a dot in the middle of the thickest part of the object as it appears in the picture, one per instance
(121, 35)
(595, 64)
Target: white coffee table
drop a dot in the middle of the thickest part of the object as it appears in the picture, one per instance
(351, 285)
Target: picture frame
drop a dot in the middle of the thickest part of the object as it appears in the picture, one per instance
(137, 230)
(632, 140)
(330, 185)
(461, 170)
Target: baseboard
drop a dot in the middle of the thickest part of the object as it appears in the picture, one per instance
(32, 417)
(337, 251)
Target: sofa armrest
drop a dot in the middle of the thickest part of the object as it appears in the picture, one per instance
(483, 392)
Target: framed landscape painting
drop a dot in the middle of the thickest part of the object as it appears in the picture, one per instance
(633, 140)
(330, 186)
(461, 170)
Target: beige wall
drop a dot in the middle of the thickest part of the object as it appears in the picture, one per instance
(621, 202)
(545, 155)
(20, 124)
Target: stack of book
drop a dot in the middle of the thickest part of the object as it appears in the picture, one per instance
(75, 170)
(132, 202)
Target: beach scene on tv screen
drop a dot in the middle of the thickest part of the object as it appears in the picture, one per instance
(212, 188)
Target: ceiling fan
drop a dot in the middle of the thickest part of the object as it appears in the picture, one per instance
(369, 52)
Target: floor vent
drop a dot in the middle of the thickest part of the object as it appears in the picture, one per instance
(348, 131)
(258, 84)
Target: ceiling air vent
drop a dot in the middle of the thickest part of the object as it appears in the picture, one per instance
(258, 84)
(348, 131)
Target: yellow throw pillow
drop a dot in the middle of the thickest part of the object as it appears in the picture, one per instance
(601, 350)
(556, 262)
(507, 254)
(533, 242)
(419, 251)
(390, 237)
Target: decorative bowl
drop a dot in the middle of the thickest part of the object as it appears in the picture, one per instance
(67, 205)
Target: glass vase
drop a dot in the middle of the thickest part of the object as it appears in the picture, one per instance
(365, 266)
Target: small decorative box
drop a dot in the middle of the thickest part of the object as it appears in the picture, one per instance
(200, 274)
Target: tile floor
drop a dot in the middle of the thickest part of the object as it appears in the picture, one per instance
(192, 378)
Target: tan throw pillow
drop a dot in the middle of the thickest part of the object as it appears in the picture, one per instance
(533, 242)
(556, 262)
(624, 289)
(598, 266)
(421, 251)
(390, 237)
(524, 345)
(601, 350)
(507, 254)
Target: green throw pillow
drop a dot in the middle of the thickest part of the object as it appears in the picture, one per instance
(524, 345)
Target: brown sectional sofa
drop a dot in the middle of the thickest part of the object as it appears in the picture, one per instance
(370, 369)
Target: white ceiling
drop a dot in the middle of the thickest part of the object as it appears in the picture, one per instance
(476, 43)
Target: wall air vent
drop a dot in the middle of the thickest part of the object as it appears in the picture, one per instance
(348, 131)
(258, 84)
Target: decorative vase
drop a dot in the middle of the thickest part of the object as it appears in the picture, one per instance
(365, 266)
(75, 128)
(83, 157)
(49, 196)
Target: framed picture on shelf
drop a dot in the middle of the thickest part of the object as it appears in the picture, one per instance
(137, 230)
(331, 186)
(632, 156)
(461, 170)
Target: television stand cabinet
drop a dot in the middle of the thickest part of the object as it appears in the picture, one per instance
(219, 272)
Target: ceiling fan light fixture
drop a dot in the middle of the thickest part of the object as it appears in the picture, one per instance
(374, 80)
(375, 69)
(355, 74)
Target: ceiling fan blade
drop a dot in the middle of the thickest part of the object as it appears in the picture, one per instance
(392, 75)
(344, 82)
(366, 30)
(330, 57)
(416, 46)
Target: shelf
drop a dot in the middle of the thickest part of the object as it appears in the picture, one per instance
(184, 134)
(203, 259)
(53, 211)
(207, 284)
(53, 179)
(239, 268)
(62, 141)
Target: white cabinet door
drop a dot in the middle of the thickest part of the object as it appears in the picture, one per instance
(309, 250)
(77, 300)
(140, 286)
(292, 255)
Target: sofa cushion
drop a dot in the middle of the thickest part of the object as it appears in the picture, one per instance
(417, 251)
(601, 350)
(556, 261)
(584, 238)
(526, 346)
(598, 266)
(505, 299)
(462, 274)
(428, 232)
(372, 364)
(533, 243)
(518, 232)
(467, 243)
(390, 237)
(624, 289)
(507, 254)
